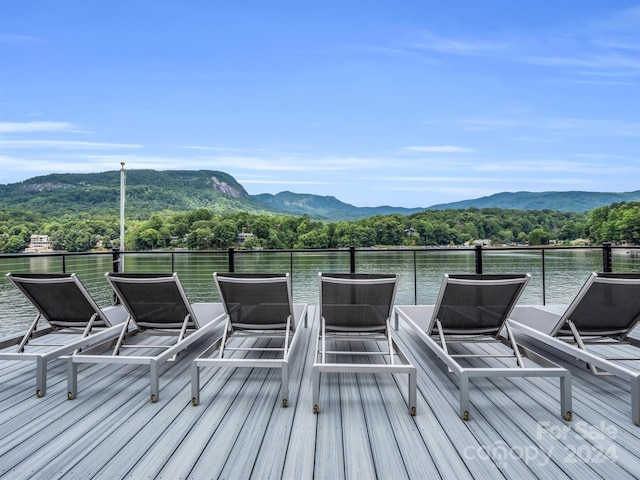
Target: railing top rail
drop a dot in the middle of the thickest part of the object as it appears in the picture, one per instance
(327, 250)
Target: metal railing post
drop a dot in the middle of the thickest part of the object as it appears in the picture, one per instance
(352, 259)
(544, 281)
(115, 253)
(479, 259)
(607, 265)
(115, 267)
(232, 265)
(415, 278)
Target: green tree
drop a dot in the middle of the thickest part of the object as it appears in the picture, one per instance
(224, 233)
(15, 244)
(539, 236)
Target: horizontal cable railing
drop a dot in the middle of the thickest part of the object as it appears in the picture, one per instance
(557, 272)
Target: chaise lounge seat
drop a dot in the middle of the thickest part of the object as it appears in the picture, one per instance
(357, 307)
(75, 321)
(157, 306)
(256, 306)
(601, 317)
(471, 309)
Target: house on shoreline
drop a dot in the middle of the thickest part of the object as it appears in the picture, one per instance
(39, 244)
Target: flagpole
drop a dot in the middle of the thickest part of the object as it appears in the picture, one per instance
(122, 198)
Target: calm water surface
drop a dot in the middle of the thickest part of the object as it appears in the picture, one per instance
(421, 271)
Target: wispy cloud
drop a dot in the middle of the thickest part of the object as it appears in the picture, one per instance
(622, 20)
(13, 38)
(558, 166)
(454, 46)
(439, 149)
(42, 126)
(594, 62)
(211, 149)
(573, 126)
(295, 163)
(283, 182)
(619, 44)
(33, 166)
(63, 144)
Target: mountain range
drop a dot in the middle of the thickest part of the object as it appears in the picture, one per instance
(152, 191)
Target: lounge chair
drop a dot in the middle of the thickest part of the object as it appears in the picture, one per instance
(256, 306)
(357, 307)
(472, 309)
(157, 306)
(603, 313)
(75, 321)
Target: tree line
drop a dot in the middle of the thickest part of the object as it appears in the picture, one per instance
(203, 229)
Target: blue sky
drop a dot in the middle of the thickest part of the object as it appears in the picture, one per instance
(400, 102)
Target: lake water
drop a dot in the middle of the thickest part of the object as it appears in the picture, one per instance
(563, 270)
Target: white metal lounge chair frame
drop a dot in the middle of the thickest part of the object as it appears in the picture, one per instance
(88, 336)
(169, 352)
(291, 333)
(322, 364)
(465, 374)
(576, 344)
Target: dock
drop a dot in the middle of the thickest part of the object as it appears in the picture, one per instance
(363, 428)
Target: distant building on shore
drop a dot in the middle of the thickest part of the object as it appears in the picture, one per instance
(38, 243)
(242, 237)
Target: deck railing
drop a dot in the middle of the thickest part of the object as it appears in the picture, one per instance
(414, 265)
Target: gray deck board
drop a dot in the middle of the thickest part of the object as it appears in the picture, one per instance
(566, 452)
(271, 457)
(355, 438)
(363, 430)
(300, 458)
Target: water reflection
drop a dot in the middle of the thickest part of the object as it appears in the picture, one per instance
(556, 280)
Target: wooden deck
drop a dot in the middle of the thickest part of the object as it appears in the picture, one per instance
(363, 430)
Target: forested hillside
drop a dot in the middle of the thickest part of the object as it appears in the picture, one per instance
(575, 201)
(151, 191)
(147, 192)
(165, 210)
(204, 229)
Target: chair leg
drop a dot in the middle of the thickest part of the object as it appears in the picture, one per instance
(155, 381)
(565, 397)
(413, 395)
(635, 399)
(285, 385)
(195, 384)
(464, 396)
(315, 380)
(41, 377)
(72, 379)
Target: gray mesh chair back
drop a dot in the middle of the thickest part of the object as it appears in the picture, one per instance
(357, 302)
(76, 322)
(477, 304)
(158, 306)
(357, 307)
(469, 331)
(60, 298)
(608, 305)
(154, 300)
(256, 301)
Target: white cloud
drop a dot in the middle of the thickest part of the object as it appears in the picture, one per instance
(295, 163)
(42, 126)
(283, 182)
(431, 42)
(439, 149)
(12, 38)
(604, 62)
(64, 144)
(573, 126)
(558, 166)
